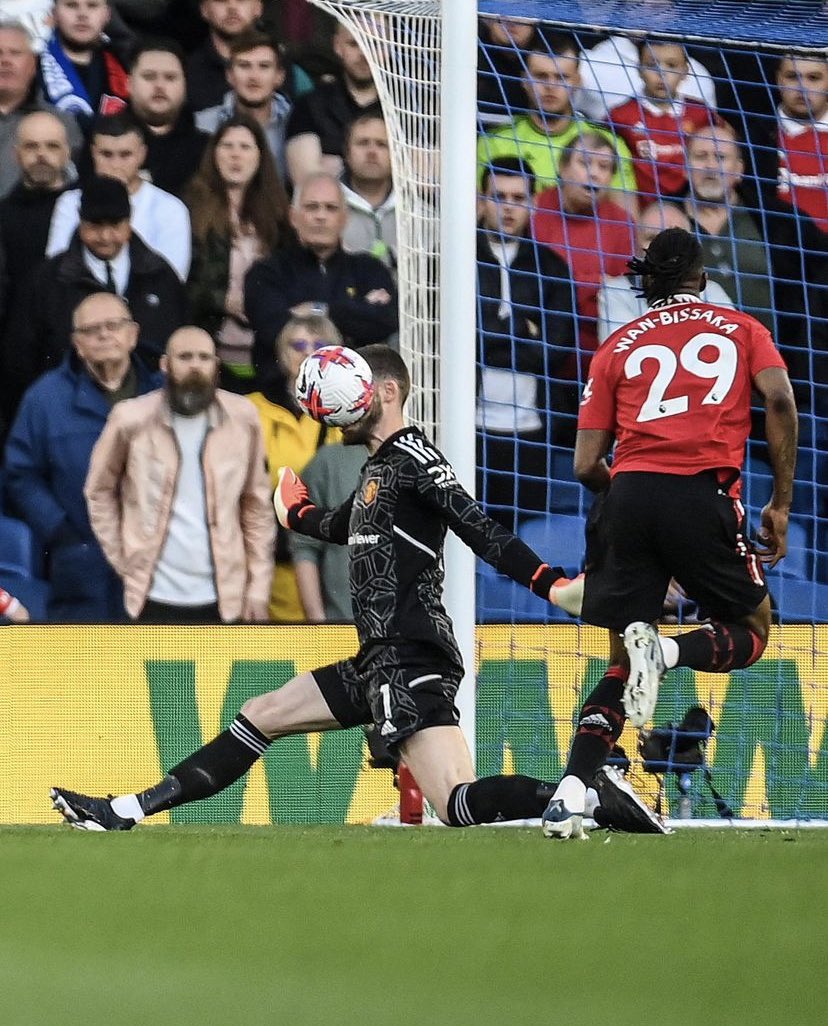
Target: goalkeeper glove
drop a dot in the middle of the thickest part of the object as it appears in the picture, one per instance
(290, 499)
(568, 594)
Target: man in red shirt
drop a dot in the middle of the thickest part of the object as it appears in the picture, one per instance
(596, 237)
(655, 125)
(672, 389)
(803, 136)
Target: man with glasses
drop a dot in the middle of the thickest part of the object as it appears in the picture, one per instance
(48, 451)
(105, 255)
(179, 496)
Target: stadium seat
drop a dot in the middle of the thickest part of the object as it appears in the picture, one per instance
(800, 601)
(33, 593)
(502, 600)
(19, 551)
(566, 497)
(556, 538)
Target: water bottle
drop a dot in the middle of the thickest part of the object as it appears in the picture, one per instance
(411, 797)
(685, 804)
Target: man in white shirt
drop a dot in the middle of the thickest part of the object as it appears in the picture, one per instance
(190, 457)
(618, 302)
(161, 220)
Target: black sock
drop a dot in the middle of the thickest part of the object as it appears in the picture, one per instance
(719, 648)
(599, 726)
(492, 799)
(210, 769)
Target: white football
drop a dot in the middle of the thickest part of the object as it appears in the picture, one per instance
(335, 385)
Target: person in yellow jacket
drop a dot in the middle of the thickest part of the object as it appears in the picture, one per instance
(291, 437)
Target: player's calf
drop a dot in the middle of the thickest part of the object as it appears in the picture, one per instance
(496, 799)
(715, 648)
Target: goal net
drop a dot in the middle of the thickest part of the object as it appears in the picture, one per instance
(718, 123)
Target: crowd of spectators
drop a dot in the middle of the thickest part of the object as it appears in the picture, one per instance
(623, 136)
(179, 164)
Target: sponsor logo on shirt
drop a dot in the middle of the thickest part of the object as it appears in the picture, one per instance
(363, 539)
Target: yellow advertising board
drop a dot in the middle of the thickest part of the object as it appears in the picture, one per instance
(108, 709)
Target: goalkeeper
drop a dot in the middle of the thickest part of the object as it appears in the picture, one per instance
(406, 674)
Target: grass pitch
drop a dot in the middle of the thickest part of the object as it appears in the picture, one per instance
(197, 926)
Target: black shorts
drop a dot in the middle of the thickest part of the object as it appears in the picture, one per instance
(649, 528)
(400, 689)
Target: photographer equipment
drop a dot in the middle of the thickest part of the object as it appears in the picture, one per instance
(680, 748)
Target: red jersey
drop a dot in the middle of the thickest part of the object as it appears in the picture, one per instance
(803, 166)
(656, 138)
(674, 387)
(592, 244)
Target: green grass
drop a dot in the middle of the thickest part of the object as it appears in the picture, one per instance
(294, 926)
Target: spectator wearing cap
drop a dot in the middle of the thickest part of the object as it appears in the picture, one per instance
(163, 222)
(105, 255)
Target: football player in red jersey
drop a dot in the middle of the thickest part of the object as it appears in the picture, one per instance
(672, 390)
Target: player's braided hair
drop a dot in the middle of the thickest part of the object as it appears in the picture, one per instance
(672, 261)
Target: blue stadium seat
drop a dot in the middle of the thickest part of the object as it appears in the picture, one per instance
(502, 600)
(800, 600)
(556, 538)
(32, 592)
(19, 551)
(566, 497)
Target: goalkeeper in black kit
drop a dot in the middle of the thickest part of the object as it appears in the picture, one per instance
(405, 676)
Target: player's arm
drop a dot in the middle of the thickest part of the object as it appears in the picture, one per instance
(437, 486)
(295, 510)
(591, 449)
(781, 428)
(596, 425)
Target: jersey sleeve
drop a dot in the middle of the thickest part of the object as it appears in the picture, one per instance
(329, 525)
(597, 409)
(438, 488)
(762, 352)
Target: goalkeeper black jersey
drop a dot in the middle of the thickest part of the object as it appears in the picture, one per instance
(395, 524)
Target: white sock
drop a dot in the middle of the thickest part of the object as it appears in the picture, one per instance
(592, 801)
(670, 651)
(127, 807)
(573, 792)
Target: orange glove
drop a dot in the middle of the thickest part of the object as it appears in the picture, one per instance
(290, 499)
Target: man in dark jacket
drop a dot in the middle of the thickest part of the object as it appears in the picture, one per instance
(319, 122)
(105, 255)
(49, 447)
(158, 98)
(525, 332)
(43, 155)
(318, 277)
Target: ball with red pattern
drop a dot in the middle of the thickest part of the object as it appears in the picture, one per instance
(335, 385)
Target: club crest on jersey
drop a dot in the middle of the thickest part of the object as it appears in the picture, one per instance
(369, 492)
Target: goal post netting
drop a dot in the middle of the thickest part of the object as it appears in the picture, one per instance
(749, 121)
